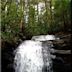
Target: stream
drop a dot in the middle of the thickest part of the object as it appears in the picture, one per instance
(34, 55)
(44, 53)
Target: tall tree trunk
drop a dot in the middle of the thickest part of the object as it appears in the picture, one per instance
(47, 6)
(65, 27)
(37, 11)
(22, 18)
(6, 8)
(51, 17)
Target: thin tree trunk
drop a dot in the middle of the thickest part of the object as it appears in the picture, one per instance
(21, 15)
(37, 11)
(47, 6)
(6, 8)
(51, 17)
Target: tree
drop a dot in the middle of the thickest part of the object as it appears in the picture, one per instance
(20, 18)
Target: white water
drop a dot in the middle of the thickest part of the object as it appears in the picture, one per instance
(31, 56)
(44, 38)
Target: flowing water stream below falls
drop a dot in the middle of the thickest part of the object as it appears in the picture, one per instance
(34, 55)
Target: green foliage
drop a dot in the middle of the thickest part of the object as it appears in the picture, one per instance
(10, 20)
(49, 20)
(62, 13)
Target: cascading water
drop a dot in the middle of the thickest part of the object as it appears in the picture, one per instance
(29, 57)
(33, 56)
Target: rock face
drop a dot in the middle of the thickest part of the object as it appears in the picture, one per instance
(7, 57)
(62, 63)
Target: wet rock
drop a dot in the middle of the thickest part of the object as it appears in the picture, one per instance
(62, 62)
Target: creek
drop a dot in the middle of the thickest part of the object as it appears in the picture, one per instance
(35, 55)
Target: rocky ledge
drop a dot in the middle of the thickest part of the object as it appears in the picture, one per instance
(62, 50)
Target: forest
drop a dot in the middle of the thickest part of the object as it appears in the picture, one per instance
(23, 19)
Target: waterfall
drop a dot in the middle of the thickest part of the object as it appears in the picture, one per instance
(33, 55)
